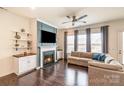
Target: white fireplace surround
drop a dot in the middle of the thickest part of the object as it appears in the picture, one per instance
(45, 49)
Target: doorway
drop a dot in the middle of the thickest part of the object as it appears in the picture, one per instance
(121, 47)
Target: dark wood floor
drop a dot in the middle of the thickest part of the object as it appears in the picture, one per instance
(59, 74)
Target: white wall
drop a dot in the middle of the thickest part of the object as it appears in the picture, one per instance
(60, 39)
(8, 23)
(115, 27)
(34, 34)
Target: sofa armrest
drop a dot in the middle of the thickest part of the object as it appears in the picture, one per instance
(105, 66)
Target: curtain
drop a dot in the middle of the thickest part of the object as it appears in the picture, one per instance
(88, 40)
(65, 45)
(104, 33)
(75, 40)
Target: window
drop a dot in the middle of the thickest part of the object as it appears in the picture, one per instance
(70, 43)
(96, 44)
(82, 41)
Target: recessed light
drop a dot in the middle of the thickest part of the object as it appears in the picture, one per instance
(33, 7)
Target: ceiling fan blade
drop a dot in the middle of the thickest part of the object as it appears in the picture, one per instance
(68, 17)
(82, 17)
(82, 21)
(66, 22)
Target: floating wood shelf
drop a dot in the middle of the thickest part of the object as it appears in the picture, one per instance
(21, 48)
(22, 32)
(23, 40)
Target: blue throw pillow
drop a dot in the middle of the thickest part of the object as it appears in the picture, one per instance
(101, 57)
(95, 56)
(98, 56)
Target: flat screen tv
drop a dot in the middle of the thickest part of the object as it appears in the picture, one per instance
(48, 37)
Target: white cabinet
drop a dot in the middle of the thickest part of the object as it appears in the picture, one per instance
(59, 55)
(32, 62)
(24, 64)
(23, 67)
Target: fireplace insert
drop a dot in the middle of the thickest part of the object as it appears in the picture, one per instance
(48, 58)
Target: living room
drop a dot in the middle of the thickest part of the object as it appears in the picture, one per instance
(73, 46)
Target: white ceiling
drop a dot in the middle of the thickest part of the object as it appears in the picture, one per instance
(57, 15)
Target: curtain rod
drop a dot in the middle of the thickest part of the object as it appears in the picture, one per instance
(84, 28)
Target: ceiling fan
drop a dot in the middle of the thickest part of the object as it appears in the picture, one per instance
(74, 19)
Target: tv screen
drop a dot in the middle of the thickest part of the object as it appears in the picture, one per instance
(48, 37)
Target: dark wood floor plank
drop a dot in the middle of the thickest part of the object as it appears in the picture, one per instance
(59, 74)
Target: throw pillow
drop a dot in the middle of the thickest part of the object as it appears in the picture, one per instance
(108, 59)
(101, 57)
(95, 56)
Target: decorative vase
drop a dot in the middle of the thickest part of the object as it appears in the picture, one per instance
(16, 45)
(22, 30)
(25, 53)
(17, 36)
(29, 43)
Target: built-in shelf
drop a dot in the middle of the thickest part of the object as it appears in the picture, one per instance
(22, 32)
(22, 39)
(22, 48)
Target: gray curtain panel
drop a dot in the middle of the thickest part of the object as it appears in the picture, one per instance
(104, 33)
(75, 40)
(88, 42)
(65, 45)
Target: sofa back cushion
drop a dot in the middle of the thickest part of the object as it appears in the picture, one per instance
(86, 55)
(75, 54)
(81, 54)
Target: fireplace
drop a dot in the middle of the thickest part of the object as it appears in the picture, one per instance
(48, 57)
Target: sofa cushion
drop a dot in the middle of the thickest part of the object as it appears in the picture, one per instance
(75, 54)
(73, 57)
(106, 66)
(97, 61)
(114, 62)
(84, 59)
(79, 59)
(85, 55)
